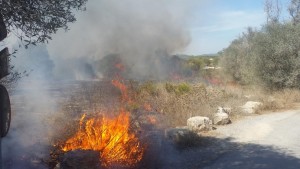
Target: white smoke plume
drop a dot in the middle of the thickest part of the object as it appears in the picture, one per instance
(32, 104)
(141, 32)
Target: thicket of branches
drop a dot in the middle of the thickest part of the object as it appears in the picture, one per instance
(34, 21)
(269, 56)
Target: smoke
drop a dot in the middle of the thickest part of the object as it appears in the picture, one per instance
(27, 141)
(143, 33)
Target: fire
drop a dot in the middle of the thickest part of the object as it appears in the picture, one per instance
(109, 136)
(124, 91)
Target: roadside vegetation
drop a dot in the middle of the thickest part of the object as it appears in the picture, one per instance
(261, 65)
(267, 57)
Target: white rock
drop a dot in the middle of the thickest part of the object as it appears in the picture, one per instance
(221, 117)
(227, 110)
(251, 106)
(199, 123)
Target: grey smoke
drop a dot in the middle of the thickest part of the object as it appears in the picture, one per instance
(32, 104)
(142, 32)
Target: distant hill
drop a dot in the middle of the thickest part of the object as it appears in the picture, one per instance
(184, 56)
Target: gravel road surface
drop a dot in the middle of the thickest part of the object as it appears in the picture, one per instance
(269, 141)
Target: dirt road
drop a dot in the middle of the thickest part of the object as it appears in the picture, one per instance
(270, 141)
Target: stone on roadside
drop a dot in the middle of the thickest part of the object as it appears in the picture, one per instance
(251, 107)
(199, 123)
(227, 110)
(221, 117)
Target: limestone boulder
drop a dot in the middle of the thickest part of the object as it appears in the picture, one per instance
(199, 123)
(251, 107)
(221, 117)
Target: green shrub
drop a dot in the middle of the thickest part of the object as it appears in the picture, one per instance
(179, 89)
(183, 88)
(269, 56)
(148, 87)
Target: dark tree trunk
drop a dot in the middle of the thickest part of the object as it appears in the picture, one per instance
(3, 30)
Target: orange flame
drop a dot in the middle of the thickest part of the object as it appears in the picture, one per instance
(109, 136)
(124, 91)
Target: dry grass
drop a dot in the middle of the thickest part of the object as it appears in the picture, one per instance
(201, 100)
(279, 100)
(179, 101)
(176, 102)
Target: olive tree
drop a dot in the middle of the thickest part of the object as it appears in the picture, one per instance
(269, 56)
(238, 60)
(33, 21)
(278, 61)
(294, 11)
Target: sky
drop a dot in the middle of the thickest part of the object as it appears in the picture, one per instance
(214, 24)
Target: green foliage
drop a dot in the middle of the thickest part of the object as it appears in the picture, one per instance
(268, 57)
(170, 88)
(179, 89)
(238, 60)
(148, 87)
(279, 63)
(195, 65)
(35, 21)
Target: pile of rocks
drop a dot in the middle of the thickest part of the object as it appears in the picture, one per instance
(200, 123)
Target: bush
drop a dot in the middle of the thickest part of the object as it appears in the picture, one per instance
(148, 87)
(268, 57)
(178, 89)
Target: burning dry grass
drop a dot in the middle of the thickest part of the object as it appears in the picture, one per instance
(111, 137)
(172, 102)
(108, 132)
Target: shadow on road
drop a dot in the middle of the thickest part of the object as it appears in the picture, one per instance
(216, 153)
(212, 153)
